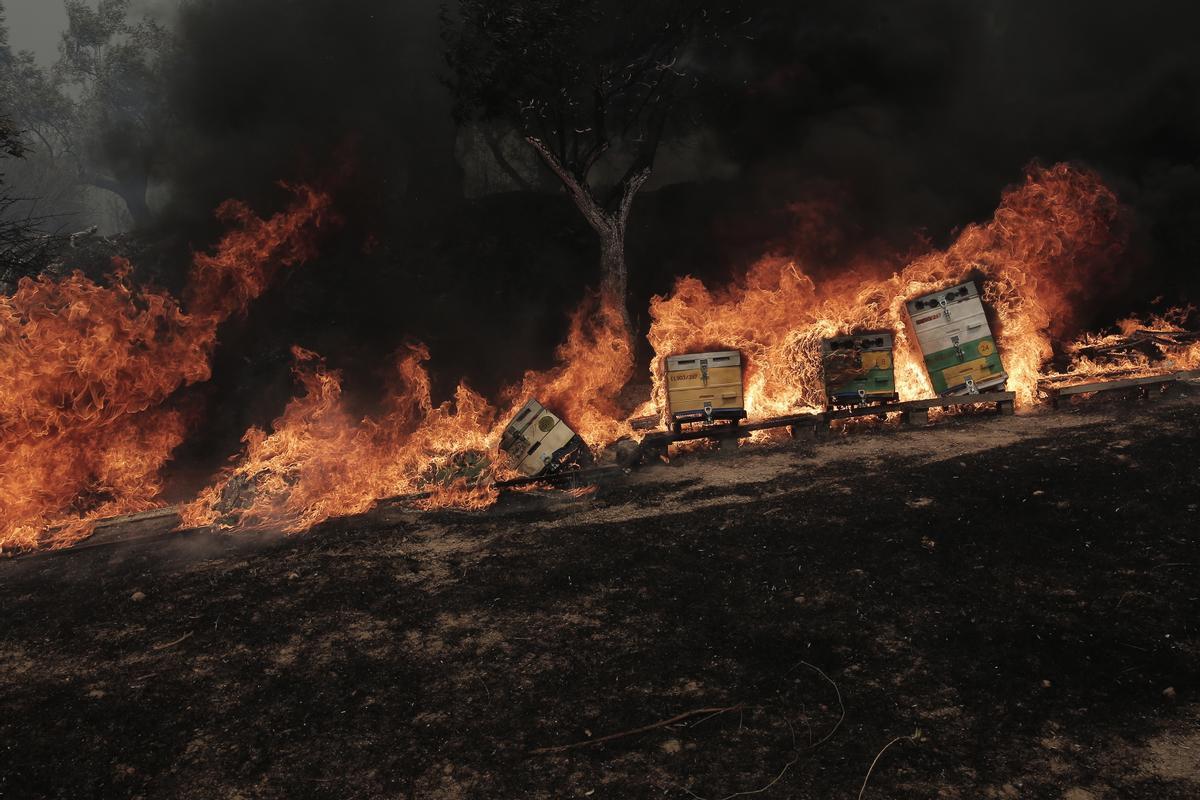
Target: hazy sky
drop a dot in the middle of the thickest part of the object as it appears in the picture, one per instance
(37, 24)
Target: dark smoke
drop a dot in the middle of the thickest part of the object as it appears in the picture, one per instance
(868, 127)
(912, 116)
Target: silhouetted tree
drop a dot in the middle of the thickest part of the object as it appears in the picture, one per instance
(592, 85)
(101, 112)
(24, 249)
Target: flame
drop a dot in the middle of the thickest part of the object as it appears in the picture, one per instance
(1139, 347)
(86, 367)
(318, 462)
(1042, 255)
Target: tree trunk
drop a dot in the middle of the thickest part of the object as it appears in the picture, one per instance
(132, 190)
(614, 272)
(609, 225)
(134, 196)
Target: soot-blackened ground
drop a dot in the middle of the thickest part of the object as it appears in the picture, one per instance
(1015, 612)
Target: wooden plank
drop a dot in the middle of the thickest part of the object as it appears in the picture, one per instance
(807, 418)
(646, 423)
(144, 516)
(725, 431)
(863, 411)
(960, 400)
(933, 402)
(1110, 386)
(916, 416)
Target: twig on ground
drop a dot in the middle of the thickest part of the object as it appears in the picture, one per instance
(644, 729)
(773, 781)
(912, 738)
(841, 705)
(169, 645)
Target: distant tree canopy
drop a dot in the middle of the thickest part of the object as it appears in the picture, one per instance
(23, 248)
(592, 85)
(100, 113)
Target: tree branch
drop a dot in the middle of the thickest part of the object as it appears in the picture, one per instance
(493, 143)
(582, 198)
(630, 188)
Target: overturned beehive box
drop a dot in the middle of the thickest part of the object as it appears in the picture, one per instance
(952, 332)
(539, 443)
(859, 369)
(705, 387)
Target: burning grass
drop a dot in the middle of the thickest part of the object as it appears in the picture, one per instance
(86, 369)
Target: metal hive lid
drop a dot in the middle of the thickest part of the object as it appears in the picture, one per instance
(863, 340)
(953, 294)
(716, 358)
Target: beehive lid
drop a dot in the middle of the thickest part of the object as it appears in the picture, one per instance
(954, 294)
(863, 340)
(528, 413)
(718, 358)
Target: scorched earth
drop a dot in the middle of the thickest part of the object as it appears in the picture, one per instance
(1012, 603)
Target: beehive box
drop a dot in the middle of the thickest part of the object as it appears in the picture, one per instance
(859, 368)
(537, 442)
(956, 342)
(703, 387)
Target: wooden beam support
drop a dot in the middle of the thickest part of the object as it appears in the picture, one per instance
(916, 416)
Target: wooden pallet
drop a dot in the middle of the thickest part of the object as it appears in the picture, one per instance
(162, 523)
(1148, 386)
(657, 442)
(916, 412)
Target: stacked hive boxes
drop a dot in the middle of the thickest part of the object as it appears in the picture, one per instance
(859, 368)
(702, 387)
(538, 442)
(952, 332)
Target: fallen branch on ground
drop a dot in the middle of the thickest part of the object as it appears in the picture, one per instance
(797, 753)
(168, 645)
(795, 760)
(644, 729)
(841, 705)
(916, 736)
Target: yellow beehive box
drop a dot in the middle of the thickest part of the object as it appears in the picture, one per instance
(703, 387)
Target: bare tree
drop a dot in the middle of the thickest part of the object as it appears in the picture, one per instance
(25, 248)
(592, 85)
(101, 112)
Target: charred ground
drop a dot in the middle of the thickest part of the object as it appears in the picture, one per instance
(1021, 590)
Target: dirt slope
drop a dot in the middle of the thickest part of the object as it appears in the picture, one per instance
(1013, 595)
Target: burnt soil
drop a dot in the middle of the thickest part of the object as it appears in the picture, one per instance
(1011, 595)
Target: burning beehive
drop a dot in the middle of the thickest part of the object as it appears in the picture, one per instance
(955, 340)
(703, 387)
(539, 443)
(859, 369)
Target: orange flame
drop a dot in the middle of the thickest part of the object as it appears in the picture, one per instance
(1041, 256)
(104, 359)
(1161, 349)
(317, 462)
(86, 367)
